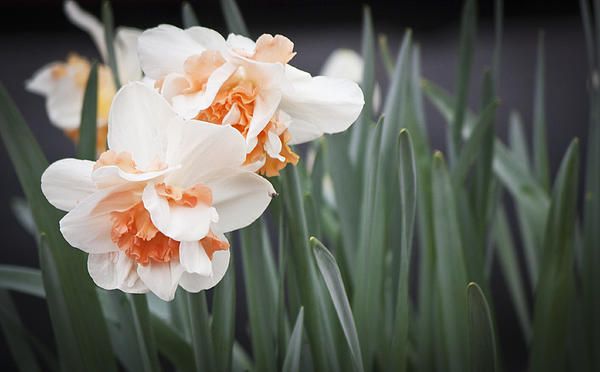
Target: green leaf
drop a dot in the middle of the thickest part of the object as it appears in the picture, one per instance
(144, 333)
(22, 212)
(109, 39)
(22, 279)
(291, 362)
(358, 132)
(474, 144)
(540, 146)
(518, 139)
(260, 282)
(556, 284)
(233, 18)
(202, 345)
(468, 30)
(15, 335)
(498, 23)
(450, 266)
(482, 339)
(320, 335)
(172, 345)
(72, 299)
(188, 15)
(584, 7)
(386, 56)
(408, 203)
(87, 130)
(509, 265)
(223, 324)
(333, 280)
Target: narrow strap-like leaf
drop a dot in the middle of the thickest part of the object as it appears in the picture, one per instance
(291, 363)
(333, 280)
(109, 39)
(22, 279)
(233, 18)
(540, 142)
(172, 345)
(223, 324)
(482, 338)
(87, 130)
(188, 16)
(144, 332)
(202, 345)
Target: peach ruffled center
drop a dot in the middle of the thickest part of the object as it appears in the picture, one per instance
(234, 105)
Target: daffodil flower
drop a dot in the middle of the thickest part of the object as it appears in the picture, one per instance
(152, 210)
(63, 82)
(250, 86)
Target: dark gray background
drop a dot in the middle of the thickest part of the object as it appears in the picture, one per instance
(34, 32)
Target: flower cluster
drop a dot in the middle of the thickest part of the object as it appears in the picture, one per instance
(186, 150)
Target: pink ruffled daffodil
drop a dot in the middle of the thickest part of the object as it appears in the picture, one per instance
(152, 210)
(250, 86)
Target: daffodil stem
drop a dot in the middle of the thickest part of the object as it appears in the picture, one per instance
(143, 332)
(201, 336)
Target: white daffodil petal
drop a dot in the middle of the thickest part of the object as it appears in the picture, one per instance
(67, 182)
(64, 103)
(139, 122)
(266, 105)
(194, 259)
(173, 84)
(110, 270)
(240, 198)
(161, 278)
(42, 82)
(196, 283)
(321, 105)
(180, 223)
(273, 146)
(189, 105)
(112, 175)
(241, 42)
(203, 149)
(88, 226)
(128, 63)
(164, 49)
(88, 23)
(208, 38)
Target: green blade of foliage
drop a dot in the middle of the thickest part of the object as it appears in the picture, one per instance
(408, 199)
(144, 333)
(87, 130)
(517, 139)
(540, 142)
(333, 280)
(474, 144)
(320, 335)
(555, 287)
(386, 55)
(358, 140)
(202, 345)
(15, 335)
(233, 18)
(260, 281)
(22, 279)
(172, 345)
(22, 212)
(586, 19)
(223, 324)
(467, 40)
(394, 103)
(291, 363)
(451, 272)
(498, 25)
(188, 16)
(109, 39)
(368, 286)
(509, 265)
(72, 301)
(482, 339)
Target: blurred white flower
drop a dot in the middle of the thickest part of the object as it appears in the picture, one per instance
(347, 64)
(250, 86)
(152, 210)
(63, 82)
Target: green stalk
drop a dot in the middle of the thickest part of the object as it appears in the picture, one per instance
(202, 346)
